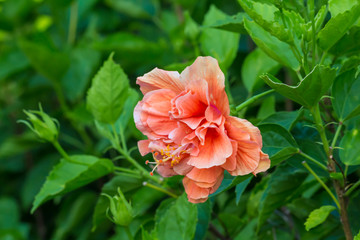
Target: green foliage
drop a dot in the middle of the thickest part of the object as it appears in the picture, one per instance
(349, 152)
(318, 216)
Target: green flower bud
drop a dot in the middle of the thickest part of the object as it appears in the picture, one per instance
(42, 125)
(120, 209)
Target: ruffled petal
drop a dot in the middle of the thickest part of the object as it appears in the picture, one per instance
(247, 158)
(143, 146)
(195, 193)
(160, 79)
(205, 175)
(207, 68)
(165, 170)
(264, 163)
(242, 125)
(187, 104)
(216, 149)
(182, 168)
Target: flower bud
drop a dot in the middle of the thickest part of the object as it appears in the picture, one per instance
(120, 209)
(42, 125)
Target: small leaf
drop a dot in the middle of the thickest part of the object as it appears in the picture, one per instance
(318, 216)
(178, 221)
(337, 26)
(349, 148)
(277, 142)
(219, 44)
(273, 47)
(255, 64)
(108, 93)
(309, 91)
(240, 188)
(67, 176)
(280, 190)
(345, 93)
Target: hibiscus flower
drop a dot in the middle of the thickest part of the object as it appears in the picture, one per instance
(190, 132)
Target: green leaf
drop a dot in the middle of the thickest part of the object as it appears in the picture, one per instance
(337, 26)
(50, 63)
(228, 182)
(357, 237)
(67, 176)
(12, 62)
(340, 6)
(240, 188)
(309, 91)
(267, 108)
(9, 213)
(178, 221)
(277, 142)
(273, 47)
(267, 16)
(281, 189)
(232, 23)
(108, 92)
(348, 44)
(204, 216)
(144, 199)
(219, 44)
(126, 183)
(349, 148)
(135, 8)
(284, 119)
(255, 64)
(345, 93)
(318, 216)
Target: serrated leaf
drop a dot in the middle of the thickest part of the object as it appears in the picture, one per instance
(318, 216)
(309, 91)
(67, 176)
(337, 26)
(279, 191)
(219, 44)
(349, 148)
(108, 92)
(178, 221)
(339, 6)
(273, 47)
(277, 142)
(255, 64)
(345, 93)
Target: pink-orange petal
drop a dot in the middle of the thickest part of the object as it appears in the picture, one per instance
(193, 191)
(247, 158)
(205, 175)
(230, 164)
(264, 163)
(236, 126)
(160, 79)
(143, 146)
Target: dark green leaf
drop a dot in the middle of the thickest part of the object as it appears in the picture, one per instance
(279, 191)
(256, 64)
(318, 216)
(9, 213)
(232, 23)
(267, 108)
(219, 44)
(240, 188)
(135, 8)
(277, 142)
(178, 222)
(144, 199)
(285, 119)
(12, 62)
(309, 91)
(276, 49)
(204, 216)
(229, 182)
(337, 26)
(345, 93)
(67, 176)
(348, 44)
(108, 93)
(349, 148)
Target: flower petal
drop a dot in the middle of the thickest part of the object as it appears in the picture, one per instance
(205, 175)
(207, 68)
(182, 168)
(247, 158)
(165, 170)
(160, 79)
(216, 149)
(194, 192)
(235, 125)
(143, 146)
(264, 163)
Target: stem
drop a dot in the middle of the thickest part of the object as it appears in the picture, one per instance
(252, 100)
(336, 135)
(116, 137)
(122, 137)
(128, 233)
(323, 57)
(61, 150)
(353, 187)
(312, 19)
(160, 189)
(73, 22)
(126, 170)
(322, 184)
(319, 126)
(313, 160)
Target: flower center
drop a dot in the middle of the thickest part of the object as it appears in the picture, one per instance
(170, 153)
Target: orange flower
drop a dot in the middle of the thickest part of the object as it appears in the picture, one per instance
(186, 119)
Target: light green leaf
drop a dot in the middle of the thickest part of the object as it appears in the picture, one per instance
(255, 64)
(108, 93)
(349, 44)
(178, 221)
(276, 49)
(309, 91)
(219, 44)
(267, 108)
(345, 93)
(67, 176)
(280, 190)
(277, 142)
(318, 216)
(357, 237)
(232, 23)
(337, 26)
(349, 148)
(340, 6)
(285, 119)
